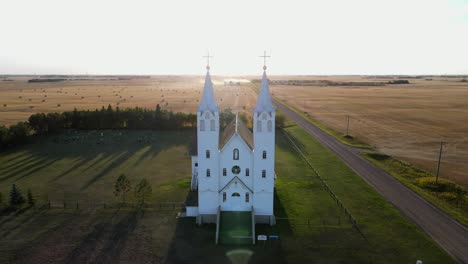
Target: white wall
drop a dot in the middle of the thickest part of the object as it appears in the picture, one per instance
(245, 161)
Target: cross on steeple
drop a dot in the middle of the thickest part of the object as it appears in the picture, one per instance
(264, 60)
(208, 60)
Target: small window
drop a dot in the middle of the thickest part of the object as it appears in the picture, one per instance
(235, 195)
(235, 154)
(247, 197)
(212, 125)
(196, 164)
(263, 173)
(269, 126)
(207, 115)
(207, 154)
(224, 196)
(208, 173)
(224, 172)
(202, 125)
(264, 154)
(259, 126)
(247, 172)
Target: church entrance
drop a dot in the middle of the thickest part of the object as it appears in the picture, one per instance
(234, 200)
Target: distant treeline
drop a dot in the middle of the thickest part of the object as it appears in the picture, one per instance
(335, 83)
(46, 80)
(105, 118)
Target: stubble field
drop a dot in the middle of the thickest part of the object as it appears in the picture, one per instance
(19, 99)
(407, 121)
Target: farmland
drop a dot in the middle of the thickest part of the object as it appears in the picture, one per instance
(407, 121)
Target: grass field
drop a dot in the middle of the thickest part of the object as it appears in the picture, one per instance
(406, 121)
(310, 225)
(83, 166)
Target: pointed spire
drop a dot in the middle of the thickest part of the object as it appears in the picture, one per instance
(264, 99)
(208, 101)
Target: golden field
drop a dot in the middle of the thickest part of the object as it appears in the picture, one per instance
(406, 121)
(19, 99)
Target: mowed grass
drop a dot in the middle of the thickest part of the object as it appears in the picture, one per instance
(392, 238)
(311, 227)
(83, 166)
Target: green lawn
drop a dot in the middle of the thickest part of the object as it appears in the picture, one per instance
(392, 238)
(312, 228)
(82, 167)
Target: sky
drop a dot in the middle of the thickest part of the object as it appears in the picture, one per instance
(171, 37)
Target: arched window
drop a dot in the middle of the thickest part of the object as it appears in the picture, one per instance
(235, 195)
(212, 125)
(247, 197)
(247, 172)
(259, 126)
(208, 173)
(264, 155)
(224, 172)
(208, 154)
(235, 154)
(269, 125)
(263, 173)
(202, 125)
(224, 196)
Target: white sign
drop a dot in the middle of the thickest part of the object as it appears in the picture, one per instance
(262, 237)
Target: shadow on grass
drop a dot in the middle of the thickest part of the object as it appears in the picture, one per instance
(196, 244)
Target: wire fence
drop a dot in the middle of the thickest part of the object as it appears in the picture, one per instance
(170, 206)
(327, 187)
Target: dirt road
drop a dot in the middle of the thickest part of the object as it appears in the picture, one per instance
(449, 234)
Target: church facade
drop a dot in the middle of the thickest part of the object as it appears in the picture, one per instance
(233, 169)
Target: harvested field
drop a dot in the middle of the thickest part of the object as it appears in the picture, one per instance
(20, 98)
(407, 121)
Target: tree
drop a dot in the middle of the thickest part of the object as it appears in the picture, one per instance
(143, 191)
(122, 187)
(31, 200)
(16, 198)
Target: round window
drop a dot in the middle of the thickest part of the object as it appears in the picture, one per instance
(236, 169)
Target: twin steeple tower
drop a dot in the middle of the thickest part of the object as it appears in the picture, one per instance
(233, 170)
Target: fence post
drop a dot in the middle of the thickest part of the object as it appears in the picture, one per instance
(77, 207)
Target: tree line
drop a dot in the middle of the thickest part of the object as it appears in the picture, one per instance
(136, 118)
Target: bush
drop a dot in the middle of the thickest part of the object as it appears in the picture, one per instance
(441, 186)
(377, 156)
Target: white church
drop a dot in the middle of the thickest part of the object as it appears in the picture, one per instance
(233, 170)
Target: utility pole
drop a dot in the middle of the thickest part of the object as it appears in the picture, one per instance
(438, 163)
(347, 126)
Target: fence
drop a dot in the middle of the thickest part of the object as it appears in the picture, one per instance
(327, 187)
(83, 205)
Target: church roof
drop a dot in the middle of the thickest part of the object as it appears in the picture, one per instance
(264, 99)
(208, 101)
(236, 127)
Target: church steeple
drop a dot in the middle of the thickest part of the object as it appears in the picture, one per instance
(208, 101)
(264, 99)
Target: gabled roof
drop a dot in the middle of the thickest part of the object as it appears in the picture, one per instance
(235, 178)
(236, 127)
(264, 99)
(208, 101)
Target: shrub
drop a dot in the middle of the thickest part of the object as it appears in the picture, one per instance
(16, 198)
(441, 186)
(377, 156)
